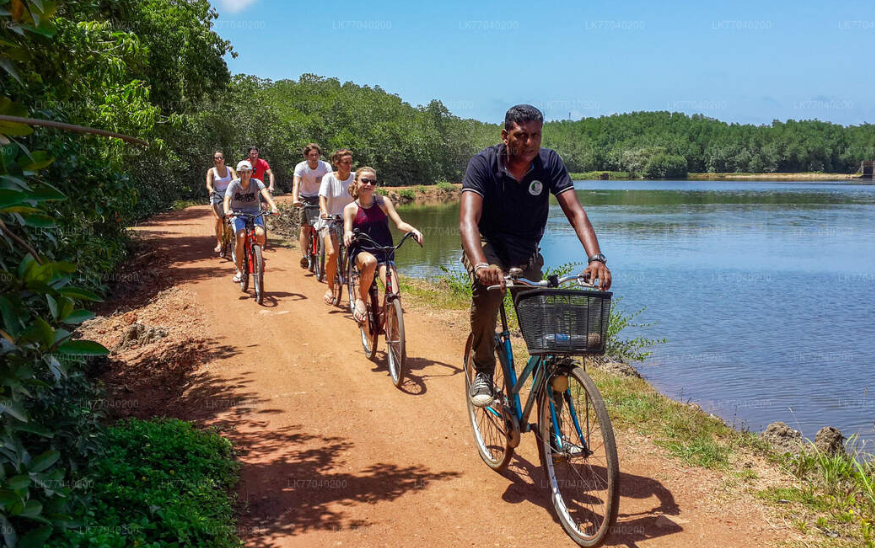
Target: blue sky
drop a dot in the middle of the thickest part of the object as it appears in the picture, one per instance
(739, 61)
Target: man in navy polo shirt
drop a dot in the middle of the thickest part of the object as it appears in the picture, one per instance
(505, 201)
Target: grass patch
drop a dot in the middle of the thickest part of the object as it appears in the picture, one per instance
(160, 483)
(596, 175)
(445, 186)
(182, 204)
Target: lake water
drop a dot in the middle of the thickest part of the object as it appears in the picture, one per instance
(765, 291)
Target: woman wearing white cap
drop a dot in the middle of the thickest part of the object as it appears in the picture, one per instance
(242, 196)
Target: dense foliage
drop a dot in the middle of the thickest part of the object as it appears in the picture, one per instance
(159, 484)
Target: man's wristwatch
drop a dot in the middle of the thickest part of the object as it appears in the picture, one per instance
(598, 257)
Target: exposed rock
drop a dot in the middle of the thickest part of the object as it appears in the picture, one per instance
(619, 368)
(829, 440)
(783, 438)
(138, 334)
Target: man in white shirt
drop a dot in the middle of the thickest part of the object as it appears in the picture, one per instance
(308, 178)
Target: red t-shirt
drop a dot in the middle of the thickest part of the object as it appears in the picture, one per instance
(258, 171)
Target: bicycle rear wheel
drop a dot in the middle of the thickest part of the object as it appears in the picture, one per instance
(396, 347)
(258, 273)
(579, 455)
(244, 276)
(492, 432)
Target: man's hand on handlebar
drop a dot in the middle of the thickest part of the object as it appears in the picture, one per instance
(490, 275)
(417, 235)
(598, 270)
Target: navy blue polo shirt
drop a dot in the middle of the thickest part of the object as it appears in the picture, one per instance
(515, 212)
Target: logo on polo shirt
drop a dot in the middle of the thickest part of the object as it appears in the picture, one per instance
(535, 188)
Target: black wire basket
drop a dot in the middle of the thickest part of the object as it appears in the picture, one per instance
(564, 321)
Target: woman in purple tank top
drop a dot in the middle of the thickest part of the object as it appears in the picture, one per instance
(370, 214)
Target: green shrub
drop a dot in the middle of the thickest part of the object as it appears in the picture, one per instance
(407, 193)
(444, 186)
(160, 483)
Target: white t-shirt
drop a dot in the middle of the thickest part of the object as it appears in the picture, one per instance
(336, 192)
(311, 178)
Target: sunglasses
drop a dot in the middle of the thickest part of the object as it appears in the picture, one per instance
(217, 158)
(366, 181)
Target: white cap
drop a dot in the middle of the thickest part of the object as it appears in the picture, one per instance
(244, 164)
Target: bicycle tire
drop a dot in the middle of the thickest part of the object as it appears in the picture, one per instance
(258, 273)
(492, 432)
(244, 277)
(311, 251)
(351, 286)
(320, 260)
(396, 345)
(584, 486)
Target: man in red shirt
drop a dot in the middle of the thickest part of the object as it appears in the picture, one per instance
(260, 168)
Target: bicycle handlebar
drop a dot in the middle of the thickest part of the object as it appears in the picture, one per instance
(358, 235)
(513, 280)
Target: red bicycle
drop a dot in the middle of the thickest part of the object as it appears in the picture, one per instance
(253, 261)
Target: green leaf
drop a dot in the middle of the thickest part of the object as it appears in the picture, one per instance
(77, 317)
(10, 68)
(83, 348)
(37, 220)
(27, 262)
(11, 182)
(39, 332)
(19, 482)
(37, 429)
(81, 294)
(45, 193)
(13, 408)
(53, 306)
(57, 368)
(8, 531)
(9, 198)
(8, 497)
(11, 319)
(37, 537)
(44, 461)
(41, 160)
(66, 307)
(32, 509)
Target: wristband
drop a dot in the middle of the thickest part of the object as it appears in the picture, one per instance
(480, 265)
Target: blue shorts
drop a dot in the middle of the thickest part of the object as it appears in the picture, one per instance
(240, 224)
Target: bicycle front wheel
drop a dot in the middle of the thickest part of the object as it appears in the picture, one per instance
(492, 432)
(244, 276)
(258, 273)
(320, 259)
(579, 455)
(396, 346)
(370, 328)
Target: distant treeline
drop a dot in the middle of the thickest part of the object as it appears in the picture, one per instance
(422, 145)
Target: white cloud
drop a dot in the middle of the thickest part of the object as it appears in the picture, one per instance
(235, 6)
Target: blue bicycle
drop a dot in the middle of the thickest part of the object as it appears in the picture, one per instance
(575, 438)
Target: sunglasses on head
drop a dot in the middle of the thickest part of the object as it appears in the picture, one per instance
(244, 171)
(366, 181)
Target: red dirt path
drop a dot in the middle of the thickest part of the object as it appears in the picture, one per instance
(334, 455)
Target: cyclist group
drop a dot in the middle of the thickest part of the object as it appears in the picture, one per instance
(503, 216)
(504, 207)
(341, 196)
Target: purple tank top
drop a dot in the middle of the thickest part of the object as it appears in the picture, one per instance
(373, 222)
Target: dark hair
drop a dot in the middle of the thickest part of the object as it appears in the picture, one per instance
(312, 146)
(338, 154)
(219, 152)
(521, 114)
(251, 149)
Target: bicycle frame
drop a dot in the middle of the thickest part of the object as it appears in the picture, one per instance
(538, 368)
(391, 292)
(251, 239)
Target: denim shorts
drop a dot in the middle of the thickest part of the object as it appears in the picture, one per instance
(240, 224)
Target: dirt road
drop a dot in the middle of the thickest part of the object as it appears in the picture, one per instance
(334, 455)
